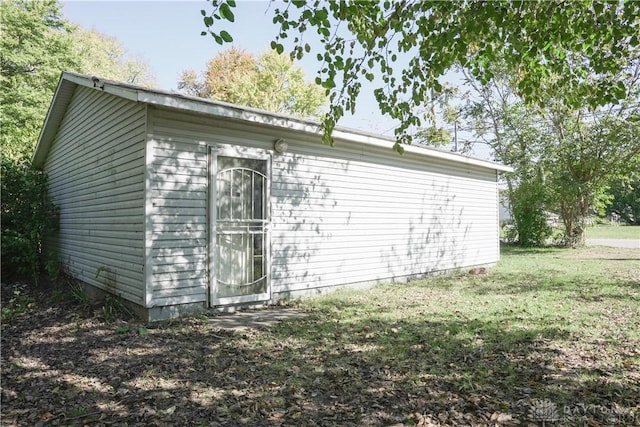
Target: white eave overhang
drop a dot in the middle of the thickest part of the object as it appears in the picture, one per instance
(69, 81)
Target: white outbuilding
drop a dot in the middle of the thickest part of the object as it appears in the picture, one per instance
(178, 204)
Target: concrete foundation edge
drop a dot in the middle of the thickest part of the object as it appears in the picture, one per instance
(168, 312)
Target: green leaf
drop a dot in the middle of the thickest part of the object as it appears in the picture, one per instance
(328, 84)
(208, 21)
(226, 13)
(226, 36)
(142, 331)
(598, 8)
(531, 43)
(620, 91)
(122, 329)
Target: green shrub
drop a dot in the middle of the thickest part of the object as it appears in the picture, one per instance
(625, 203)
(28, 217)
(529, 215)
(20, 304)
(113, 308)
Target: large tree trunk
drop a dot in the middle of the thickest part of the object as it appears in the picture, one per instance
(573, 218)
(575, 237)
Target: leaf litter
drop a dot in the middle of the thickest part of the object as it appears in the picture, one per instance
(345, 364)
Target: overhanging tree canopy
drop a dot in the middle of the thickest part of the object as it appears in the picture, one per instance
(410, 45)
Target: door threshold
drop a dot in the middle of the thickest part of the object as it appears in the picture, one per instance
(233, 308)
(265, 317)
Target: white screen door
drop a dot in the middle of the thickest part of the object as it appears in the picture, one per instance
(240, 230)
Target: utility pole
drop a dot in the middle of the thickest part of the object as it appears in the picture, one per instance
(455, 136)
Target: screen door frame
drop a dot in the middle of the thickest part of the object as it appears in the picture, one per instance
(240, 153)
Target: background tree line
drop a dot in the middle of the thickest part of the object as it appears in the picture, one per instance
(572, 166)
(574, 161)
(37, 44)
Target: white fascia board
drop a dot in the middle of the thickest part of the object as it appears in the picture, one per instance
(75, 78)
(227, 111)
(222, 110)
(60, 101)
(51, 122)
(240, 113)
(107, 87)
(129, 94)
(421, 151)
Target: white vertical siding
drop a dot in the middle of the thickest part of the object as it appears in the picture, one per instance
(344, 215)
(96, 179)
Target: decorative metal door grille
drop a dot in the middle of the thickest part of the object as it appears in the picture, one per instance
(241, 227)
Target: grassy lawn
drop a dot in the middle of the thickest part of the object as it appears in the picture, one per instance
(544, 331)
(613, 232)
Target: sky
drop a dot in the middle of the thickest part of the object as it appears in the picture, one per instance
(166, 35)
